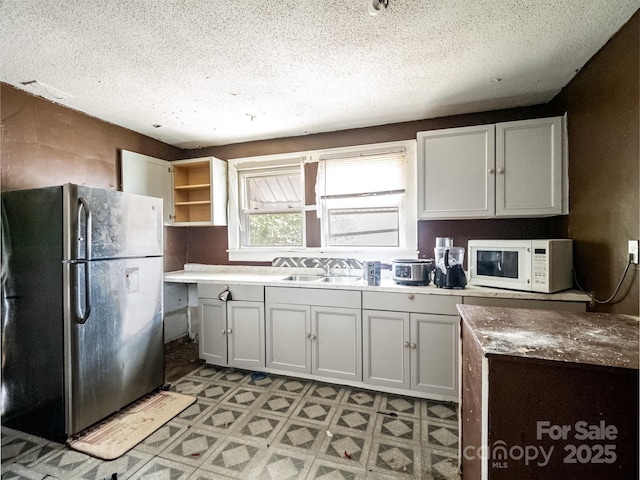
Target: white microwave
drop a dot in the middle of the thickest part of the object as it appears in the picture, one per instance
(544, 266)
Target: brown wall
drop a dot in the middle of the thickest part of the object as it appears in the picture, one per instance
(461, 231)
(604, 169)
(46, 144)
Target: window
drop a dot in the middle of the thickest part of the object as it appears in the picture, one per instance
(361, 199)
(271, 206)
(365, 204)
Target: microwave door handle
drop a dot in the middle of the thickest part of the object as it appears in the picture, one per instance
(83, 314)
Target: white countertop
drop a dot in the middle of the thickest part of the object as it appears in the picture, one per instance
(274, 276)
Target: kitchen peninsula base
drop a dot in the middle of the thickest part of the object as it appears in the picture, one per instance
(548, 394)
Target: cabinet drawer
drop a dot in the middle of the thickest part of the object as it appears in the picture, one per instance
(411, 302)
(251, 293)
(314, 296)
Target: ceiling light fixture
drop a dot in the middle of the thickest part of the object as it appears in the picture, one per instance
(374, 6)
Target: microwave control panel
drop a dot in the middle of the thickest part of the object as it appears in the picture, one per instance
(539, 262)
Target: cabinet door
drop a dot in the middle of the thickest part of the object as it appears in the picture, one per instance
(336, 342)
(245, 334)
(386, 348)
(529, 167)
(213, 331)
(288, 337)
(456, 172)
(434, 354)
(150, 176)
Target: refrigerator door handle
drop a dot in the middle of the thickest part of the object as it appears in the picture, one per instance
(83, 315)
(85, 236)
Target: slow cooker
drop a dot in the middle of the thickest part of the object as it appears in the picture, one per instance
(412, 271)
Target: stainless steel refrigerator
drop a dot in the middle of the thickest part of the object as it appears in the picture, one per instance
(82, 331)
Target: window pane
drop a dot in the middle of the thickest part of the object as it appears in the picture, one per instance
(275, 229)
(364, 227)
(274, 192)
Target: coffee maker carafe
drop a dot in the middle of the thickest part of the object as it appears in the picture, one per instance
(449, 272)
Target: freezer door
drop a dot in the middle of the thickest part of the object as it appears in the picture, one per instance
(101, 224)
(114, 355)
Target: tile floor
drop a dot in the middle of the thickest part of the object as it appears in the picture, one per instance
(274, 428)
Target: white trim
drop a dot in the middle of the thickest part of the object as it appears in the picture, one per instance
(259, 254)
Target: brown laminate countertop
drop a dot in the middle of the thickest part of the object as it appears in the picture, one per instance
(609, 340)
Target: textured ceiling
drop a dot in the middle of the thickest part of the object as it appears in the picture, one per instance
(206, 72)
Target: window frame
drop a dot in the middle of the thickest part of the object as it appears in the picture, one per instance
(408, 228)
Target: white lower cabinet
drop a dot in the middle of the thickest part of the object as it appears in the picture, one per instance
(316, 332)
(407, 350)
(232, 332)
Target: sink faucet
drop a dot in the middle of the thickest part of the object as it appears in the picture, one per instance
(324, 264)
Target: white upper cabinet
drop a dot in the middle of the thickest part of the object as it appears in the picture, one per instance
(194, 191)
(510, 169)
(455, 172)
(529, 168)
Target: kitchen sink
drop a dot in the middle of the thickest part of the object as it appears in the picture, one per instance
(340, 279)
(321, 278)
(303, 278)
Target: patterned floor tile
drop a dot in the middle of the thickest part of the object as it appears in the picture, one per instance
(223, 418)
(67, 464)
(441, 436)
(192, 447)
(195, 412)
(268, 382)
(303, 437)
(362, 398)
(160, 469)
(358, 419)
(325, 391)
(36, 455)
(400, 405)
(294, 385)
(345, 447)
(398, 427)
(15, 471)
(312, 410)
(325, 470)
(261, 426)
(16, 444)
(245, 397)
(283, 465)
(278, 403)
(161, 438)
(401, 459)
(441, 464)
(201, 474)
(235, 458)
(124, 467)
(443, 411)
(234, 376)
(207, 372)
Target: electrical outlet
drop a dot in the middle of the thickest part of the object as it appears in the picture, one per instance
(633, 250)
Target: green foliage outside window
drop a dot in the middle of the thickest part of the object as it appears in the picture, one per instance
(280, 229)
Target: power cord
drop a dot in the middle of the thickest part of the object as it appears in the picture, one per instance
(593, 298)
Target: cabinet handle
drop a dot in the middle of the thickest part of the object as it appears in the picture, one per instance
(308, 335)
(411, 296)
(229, 331)
(313, 337)
(407, 345)
(491, 171)
(413, 345)
(224, 332)
(501, 170)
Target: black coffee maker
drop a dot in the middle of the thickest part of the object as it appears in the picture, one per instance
(449, 272)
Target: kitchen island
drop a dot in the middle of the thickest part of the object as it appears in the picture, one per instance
(548, 394)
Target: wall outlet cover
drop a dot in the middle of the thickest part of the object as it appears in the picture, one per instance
(633, 250)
